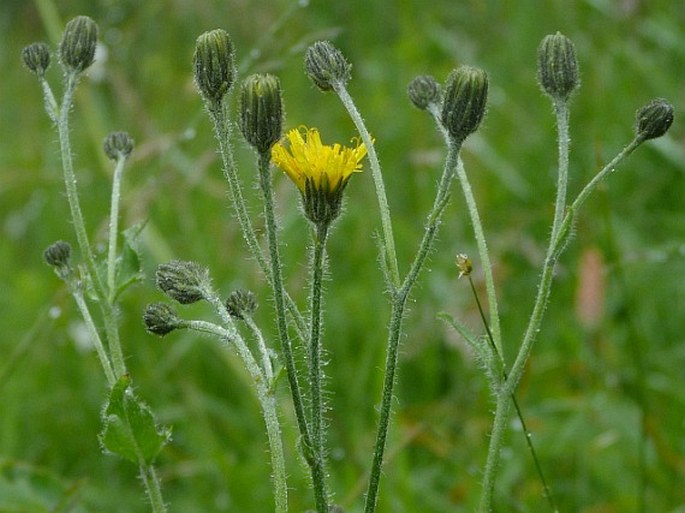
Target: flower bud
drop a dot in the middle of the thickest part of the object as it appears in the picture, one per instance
(214, 65)
(463, 105)
(118, 145)
(654, 119)
(261, 111)
(183, 281)
(241, 303)
(160, 319)
(464, 265)
(326, 65)
(424, 91)
(58, 254)
(77, 48)
(36, 57)
(557, 66)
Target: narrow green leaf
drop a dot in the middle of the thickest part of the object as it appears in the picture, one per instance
(473, 340)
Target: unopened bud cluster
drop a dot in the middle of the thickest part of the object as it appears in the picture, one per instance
(326, 66)
(424, 91)
(214, 66)
(77, 48)
(36, 57)
(118, 145)
(241, 304)
(654, 119)
(183, 281)
(558, 66)
(58, 256)
(464, 102)
(261, 111)
(160, 319)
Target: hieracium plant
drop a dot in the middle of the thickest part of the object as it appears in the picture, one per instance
(96, 281)
(321, 174)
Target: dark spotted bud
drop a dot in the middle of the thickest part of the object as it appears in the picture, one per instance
(36, 57)
(160, 319)
(654, 119)
(557, 66)
(77, 48)
(214, 65)
(241, 304)
(463, 105)
(326, 65)
(118, 145)
(424, 91)
(183, 281)
(261, 111)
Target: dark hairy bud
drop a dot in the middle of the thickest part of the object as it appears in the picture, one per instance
(654, 119)
(36, 57)
(58, 254)
(77, 48)
(261, 111)
(326, 65)
(424, 91)
(465, 98)
(214, 65)
(183, 281)
(558, 66)
(241, 304)
(160, 319)
(118, 144)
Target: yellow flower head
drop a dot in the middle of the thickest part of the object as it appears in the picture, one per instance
(327, 168)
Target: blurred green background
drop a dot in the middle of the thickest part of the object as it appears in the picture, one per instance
(613, 338)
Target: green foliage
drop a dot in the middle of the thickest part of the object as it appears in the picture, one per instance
(579, 394)
(129, 427)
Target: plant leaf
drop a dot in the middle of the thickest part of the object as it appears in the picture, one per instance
(128, 264)
(129, 428)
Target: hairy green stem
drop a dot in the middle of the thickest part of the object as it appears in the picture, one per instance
(117, 367)
(262, 380)
(479, 234)
(94, 335)
(153, 487)
(315, 464)
(267, 368)
(526, 432)
(556, 247)
(71, 188)
(70, 182)
(315, 366)
(222, 131)
(388, 239)
(483, 255)
(561, 112)
(114, 229)
(399, 301)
